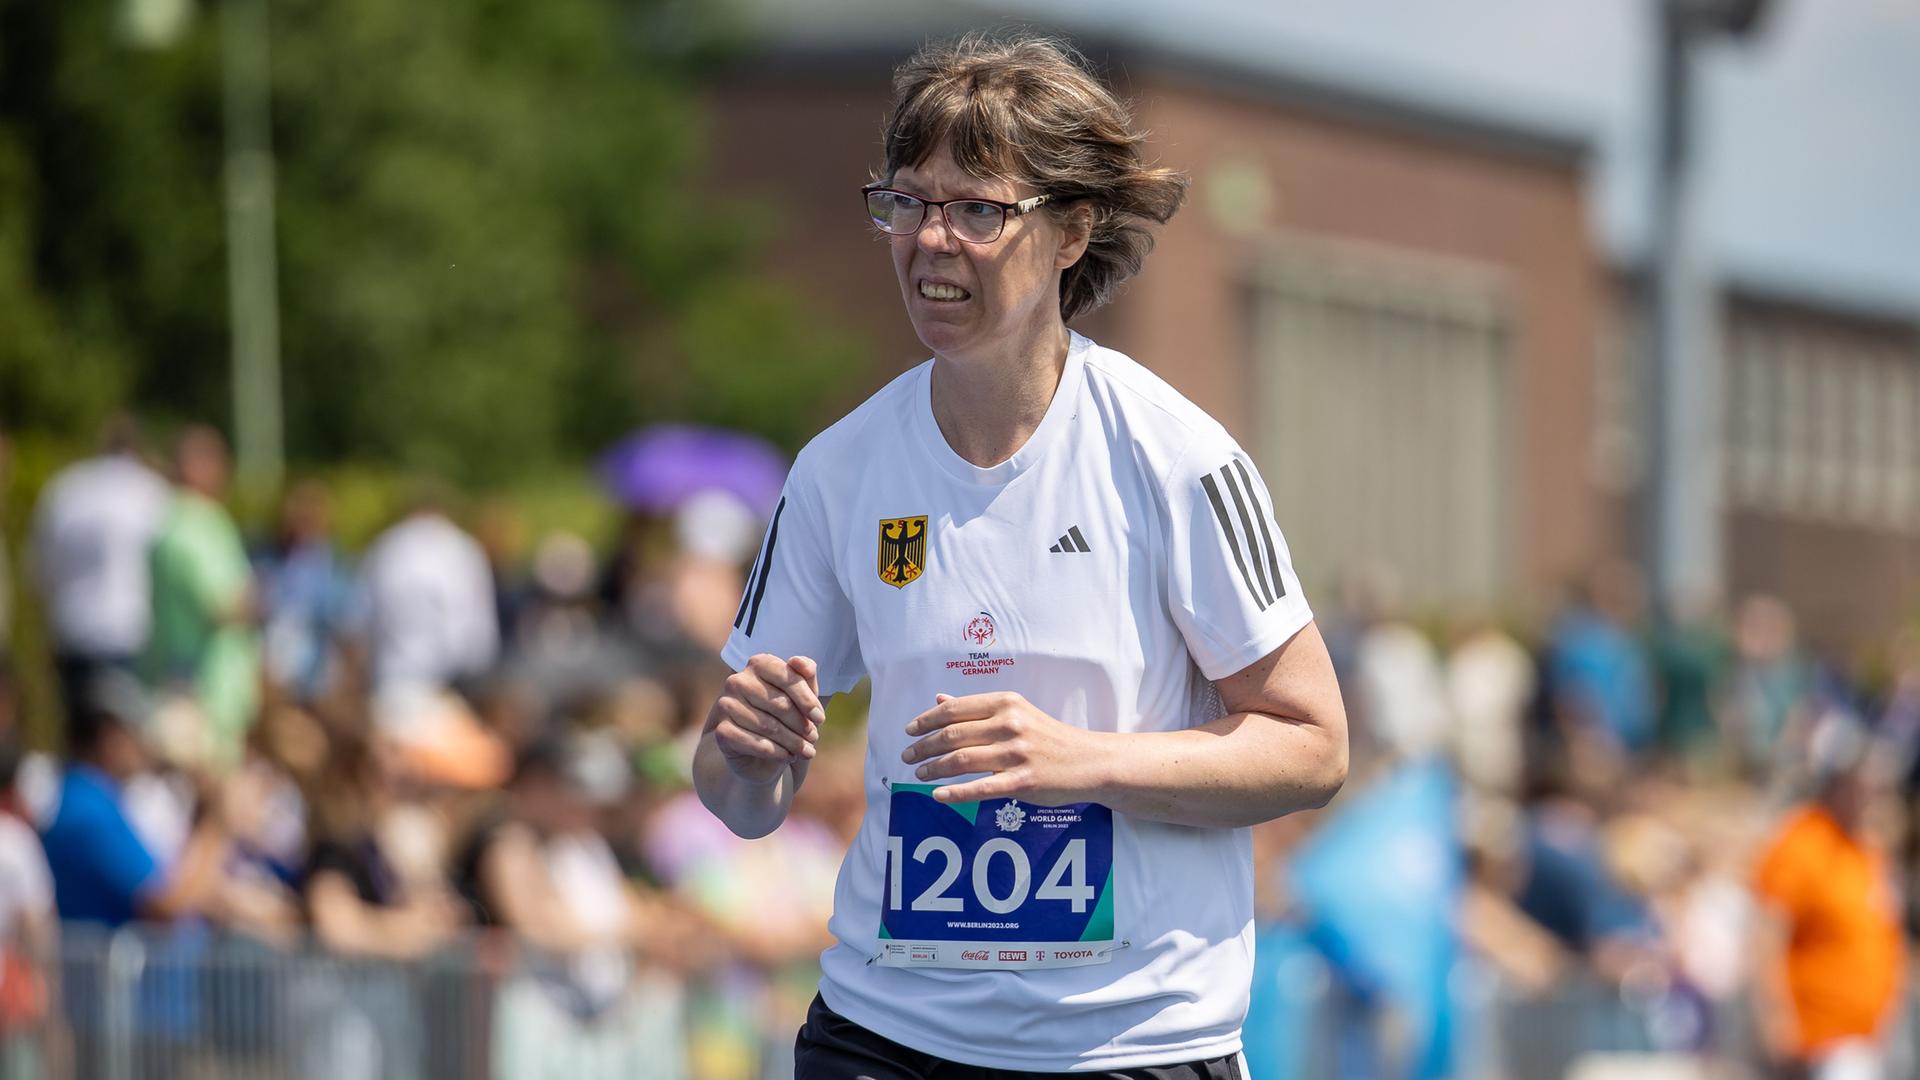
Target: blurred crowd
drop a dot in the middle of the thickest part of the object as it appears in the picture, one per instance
(1604, 842)
(1681, 840)
(457, 742)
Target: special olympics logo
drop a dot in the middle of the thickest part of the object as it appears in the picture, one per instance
(980, 631)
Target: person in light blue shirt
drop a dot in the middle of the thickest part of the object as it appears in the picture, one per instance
(1596, 666)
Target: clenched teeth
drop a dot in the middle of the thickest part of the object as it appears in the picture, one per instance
(942, 292)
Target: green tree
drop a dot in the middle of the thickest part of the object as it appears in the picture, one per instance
(495, 254)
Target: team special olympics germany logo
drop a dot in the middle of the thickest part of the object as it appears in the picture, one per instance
(980, 635)
(903, 550)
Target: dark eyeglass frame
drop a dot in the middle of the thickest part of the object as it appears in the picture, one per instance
(1007, 210)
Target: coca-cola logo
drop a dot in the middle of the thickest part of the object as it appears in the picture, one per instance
(975, 954)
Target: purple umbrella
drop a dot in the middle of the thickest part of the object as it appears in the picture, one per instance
(657, 468)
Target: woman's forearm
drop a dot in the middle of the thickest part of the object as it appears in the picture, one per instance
(751, 810)
(1238, 770)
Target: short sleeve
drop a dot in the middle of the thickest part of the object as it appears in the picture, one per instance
(204, 556)
(794, 604)
(92, 837)
(1230, 579)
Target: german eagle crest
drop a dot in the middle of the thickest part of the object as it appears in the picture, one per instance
(903, 550)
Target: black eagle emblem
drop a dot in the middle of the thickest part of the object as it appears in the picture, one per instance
(903, 550)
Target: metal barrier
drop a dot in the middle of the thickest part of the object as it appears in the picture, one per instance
(156, 1004)
(148, 1003)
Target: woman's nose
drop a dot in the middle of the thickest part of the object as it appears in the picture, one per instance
(934, 234)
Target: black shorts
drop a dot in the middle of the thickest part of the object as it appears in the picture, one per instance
(832, 1047)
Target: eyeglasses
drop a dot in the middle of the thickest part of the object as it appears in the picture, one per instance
(977, 221)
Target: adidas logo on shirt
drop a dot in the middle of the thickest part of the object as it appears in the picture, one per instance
(1073, 542)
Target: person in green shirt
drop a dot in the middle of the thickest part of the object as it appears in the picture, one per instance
(204, 640)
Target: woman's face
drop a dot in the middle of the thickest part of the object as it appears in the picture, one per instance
(1008, 289)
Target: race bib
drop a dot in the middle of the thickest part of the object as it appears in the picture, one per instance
(996, 884)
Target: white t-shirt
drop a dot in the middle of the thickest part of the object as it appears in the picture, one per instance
(426, 592)
(26, 883)
(1121, 560)
(91, 532)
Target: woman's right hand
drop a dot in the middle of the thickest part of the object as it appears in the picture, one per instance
(768, 717)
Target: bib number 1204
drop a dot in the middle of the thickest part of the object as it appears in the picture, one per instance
(996, 883)
(1067, 880)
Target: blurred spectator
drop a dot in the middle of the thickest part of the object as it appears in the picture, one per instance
(427, 602)
(204, 645)
(1490, 680)
(30, 1035)
(374, 889)
(1768, 687)
(104, 872)
(304, 595)
(1830, 954)
(1396, 693)
(677, 580)
(1402, 691)
(564, 652)
(1691, 656)
(356, 894)
(91, 530)
(718, 535)
(1597, 673)
(541, 869)
(776, 947)
(1566, 884)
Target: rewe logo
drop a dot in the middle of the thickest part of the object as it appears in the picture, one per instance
(1012, 955)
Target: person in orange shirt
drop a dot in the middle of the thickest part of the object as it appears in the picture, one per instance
(1830, 958)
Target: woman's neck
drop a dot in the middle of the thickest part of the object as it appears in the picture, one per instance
(988, 406)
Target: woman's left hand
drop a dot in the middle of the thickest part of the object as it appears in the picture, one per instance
(1030, 755)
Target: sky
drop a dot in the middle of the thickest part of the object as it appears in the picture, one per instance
(1809, 151)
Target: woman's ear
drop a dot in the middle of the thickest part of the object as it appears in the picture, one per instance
(1075, 233)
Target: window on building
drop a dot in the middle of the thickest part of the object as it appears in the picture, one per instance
(1821, 423)
(1383, 385)
(1901, 402)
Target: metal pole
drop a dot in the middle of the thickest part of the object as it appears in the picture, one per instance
(252, 274)
(1682, 486)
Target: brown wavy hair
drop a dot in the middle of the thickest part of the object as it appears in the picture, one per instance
(1027, 109)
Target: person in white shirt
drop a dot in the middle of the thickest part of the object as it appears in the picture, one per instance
(93, 526)
(426, 607)
(1093, 669)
